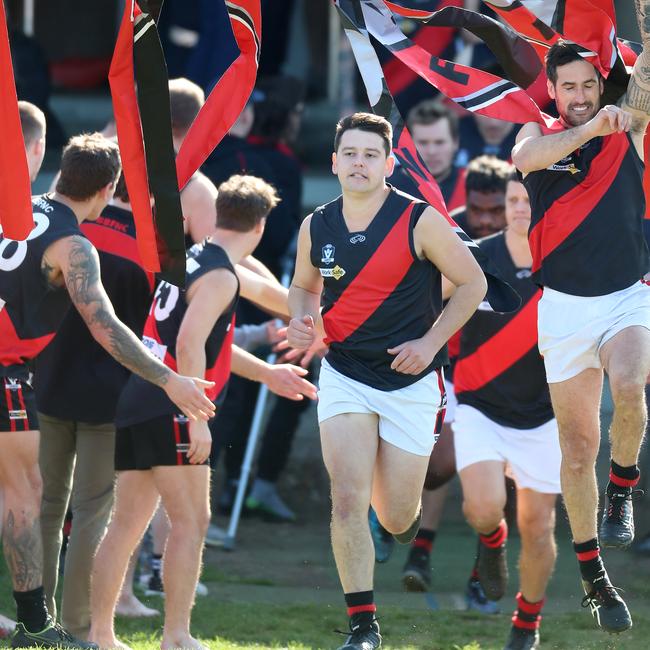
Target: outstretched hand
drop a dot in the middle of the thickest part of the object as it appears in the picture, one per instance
(188, 393)
(287, 381)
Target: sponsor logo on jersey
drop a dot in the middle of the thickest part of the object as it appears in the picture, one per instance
(564, 165)
(19, 414)
(357, 239)
(337, 272)
(157, 349)
(523, 273)
(328, 254)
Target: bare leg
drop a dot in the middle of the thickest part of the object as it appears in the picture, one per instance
(536, 523)
(433, 503)
(626, 358)
(397, 487)
(185, 493)
(484, 495)
(349, 442)
(136, 498)
(21, 483)
(128, 604)
(576, 403)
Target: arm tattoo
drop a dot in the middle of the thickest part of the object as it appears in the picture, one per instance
(637, 97)
(22, 544)
(85, 289)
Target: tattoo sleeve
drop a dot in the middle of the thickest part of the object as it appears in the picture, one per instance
(87, 293)
(638, 90)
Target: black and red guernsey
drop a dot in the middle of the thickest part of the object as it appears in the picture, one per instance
(141, 400)
(586, 232)
(30, 309)
(377, 293)
(499, 370)
(89, 388)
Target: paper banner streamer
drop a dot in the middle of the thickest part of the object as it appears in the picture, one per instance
(500, 295)
(229, 96)
(16, 220)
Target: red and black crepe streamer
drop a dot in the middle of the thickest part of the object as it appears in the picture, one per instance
(16, 221)
(153, 101)
(500, 295)
(229, 96)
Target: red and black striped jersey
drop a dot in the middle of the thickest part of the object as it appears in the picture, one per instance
(76, 379)
(499, 370)
(377, 292)
(142, 400)
(30, 309)
(586, 232)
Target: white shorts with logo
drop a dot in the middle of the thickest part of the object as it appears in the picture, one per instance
(573, 329)
(409, 418)
(532, 456)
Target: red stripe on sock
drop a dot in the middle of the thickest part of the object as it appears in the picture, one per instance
(528, 607)
(497, 538)
(526, 625)
(588, 555)
(362, 608)
(622, 482)
(426, 544)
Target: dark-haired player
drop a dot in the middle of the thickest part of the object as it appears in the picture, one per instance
(376, 256)
(584, 178)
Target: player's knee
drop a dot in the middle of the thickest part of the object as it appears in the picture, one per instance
(628, 389)
(349, 503)
(579, 449)
(397, 522)
(536, 530)
(483, 512)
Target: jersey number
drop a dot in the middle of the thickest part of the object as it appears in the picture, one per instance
(165, 300)
(13, 252)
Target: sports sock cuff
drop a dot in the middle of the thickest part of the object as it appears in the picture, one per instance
(497, 537)
(360, 601)
(624, 476)
(588, 550)
(527, 607)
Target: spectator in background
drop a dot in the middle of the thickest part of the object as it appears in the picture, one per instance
(485, 186)
(434, 129)
(481, 135)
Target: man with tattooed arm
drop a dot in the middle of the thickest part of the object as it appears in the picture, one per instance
(584, 179)
(38, 279)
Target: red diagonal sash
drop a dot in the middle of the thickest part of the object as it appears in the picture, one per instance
(571, 209)
(501, 351)
(373, 284)
(16, 220)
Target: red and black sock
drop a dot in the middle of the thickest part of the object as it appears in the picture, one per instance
(424, 540)
(497, 537)
(623, 477)
(527, 615)
(591, 564)
(31, 610)
(361, 608)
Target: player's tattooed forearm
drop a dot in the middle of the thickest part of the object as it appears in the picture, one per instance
(22, 544)
(84, 287)
(125, 348)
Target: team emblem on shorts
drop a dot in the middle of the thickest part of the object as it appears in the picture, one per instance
(328, 254)
(337, 272)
